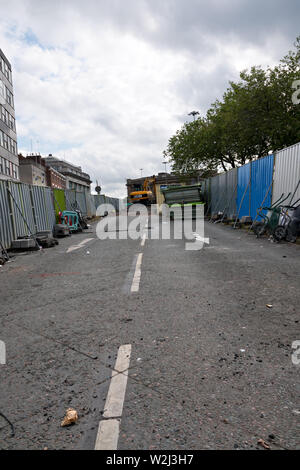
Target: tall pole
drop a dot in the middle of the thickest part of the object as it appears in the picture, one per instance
(194, 114)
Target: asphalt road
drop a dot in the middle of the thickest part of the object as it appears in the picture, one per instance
(210, 364)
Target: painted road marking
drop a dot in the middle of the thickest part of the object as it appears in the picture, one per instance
(143, 240)
(109, 429)
(116, 393)
(80, 245)
(137, 275)
(108, 435)
(199, 238)
(128, 281)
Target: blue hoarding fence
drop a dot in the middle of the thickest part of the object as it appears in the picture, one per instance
(261, 181)
(242, 191)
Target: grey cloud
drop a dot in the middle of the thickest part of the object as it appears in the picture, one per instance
(116, 116)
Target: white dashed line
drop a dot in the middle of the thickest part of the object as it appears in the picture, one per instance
(108, 435)
(80, 245)
(116, 393)
(108, 431)
(143, 240)
(137, 275)
(199, 238)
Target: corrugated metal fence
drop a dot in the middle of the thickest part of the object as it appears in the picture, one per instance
(287, 173)
(24, 209)
(261, 184)
(223, 189)
(27, 209)
(6, 227)
(243, 190)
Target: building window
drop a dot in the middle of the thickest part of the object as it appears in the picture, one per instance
(2, 89)
(5, 141)
(5, 70)
(9, 97)
(15, 171)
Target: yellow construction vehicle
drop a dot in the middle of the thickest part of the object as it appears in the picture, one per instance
(145, 196)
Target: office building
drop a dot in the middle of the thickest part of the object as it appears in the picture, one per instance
(9, 162)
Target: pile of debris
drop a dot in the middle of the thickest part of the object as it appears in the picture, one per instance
(3, 254)
(43, 239)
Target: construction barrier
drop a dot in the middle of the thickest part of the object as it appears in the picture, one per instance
(27, 209)
(242, 191)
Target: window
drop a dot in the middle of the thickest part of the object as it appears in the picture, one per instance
(9, 97)
(12, 123)
(7, 169)
(15, 171)
(7, 118)
(5, 141)
(8, 143)
(5, 69)
(2, 90)
(12, 146)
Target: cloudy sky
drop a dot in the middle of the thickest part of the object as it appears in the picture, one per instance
(105, 83)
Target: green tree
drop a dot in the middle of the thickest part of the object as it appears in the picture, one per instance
(256, 116)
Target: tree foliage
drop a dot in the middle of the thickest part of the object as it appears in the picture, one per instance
(256, 116)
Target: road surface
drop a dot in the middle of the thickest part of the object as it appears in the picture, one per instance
(209, 365)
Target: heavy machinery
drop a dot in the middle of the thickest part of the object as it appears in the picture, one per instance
(186, 198)
(145, 196)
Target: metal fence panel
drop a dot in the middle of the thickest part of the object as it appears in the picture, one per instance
(90, 202)
(215, 194)
(43, 208)
(231, 195)
(205, 191)
(81, 203)
(39, 206)
(6, 227)
(223, 192)
(21, 209)
(37, 194)
(261, 182)
(243, 190)
(59, 200)
(287, 172)
(70, 197)
(49, 207)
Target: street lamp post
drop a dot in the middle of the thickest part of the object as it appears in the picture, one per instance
(194, 114)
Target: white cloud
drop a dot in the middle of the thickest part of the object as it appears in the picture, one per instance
(106, 83)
